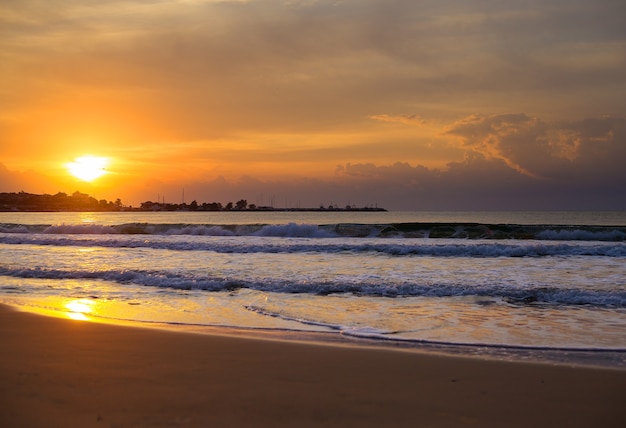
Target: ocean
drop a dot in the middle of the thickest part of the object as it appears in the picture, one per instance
(514, 285)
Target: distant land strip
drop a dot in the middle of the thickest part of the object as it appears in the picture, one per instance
(77, 201)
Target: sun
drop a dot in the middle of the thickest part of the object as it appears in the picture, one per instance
(87, 168)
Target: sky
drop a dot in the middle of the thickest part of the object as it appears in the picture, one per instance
(401, 104)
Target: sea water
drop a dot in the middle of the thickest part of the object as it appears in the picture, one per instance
(515, 285)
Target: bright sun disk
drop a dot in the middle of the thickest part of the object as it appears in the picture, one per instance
(88, 168)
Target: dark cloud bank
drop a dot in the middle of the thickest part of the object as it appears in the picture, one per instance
(512, 162)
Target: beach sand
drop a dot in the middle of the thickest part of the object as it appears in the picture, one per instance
(63, 373)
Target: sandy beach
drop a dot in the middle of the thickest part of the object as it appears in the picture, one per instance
(64, 373)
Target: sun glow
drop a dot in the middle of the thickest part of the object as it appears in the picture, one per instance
(87, 168)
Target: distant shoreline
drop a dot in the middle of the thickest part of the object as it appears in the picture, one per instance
(127, 209)
(81, 202)
(266, 209)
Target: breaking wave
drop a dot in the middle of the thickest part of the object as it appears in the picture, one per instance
(392, 230)
(535, 295)
(397, 247)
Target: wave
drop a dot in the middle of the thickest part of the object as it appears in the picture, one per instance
(398, 248)
(352, 230)
(397, 336)
(502, 350)
(535, 295)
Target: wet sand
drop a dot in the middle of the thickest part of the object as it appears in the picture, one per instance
(64, 373)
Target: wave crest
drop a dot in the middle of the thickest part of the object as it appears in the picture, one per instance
(470, 231)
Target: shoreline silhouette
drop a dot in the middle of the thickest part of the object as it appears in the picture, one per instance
(78, 201)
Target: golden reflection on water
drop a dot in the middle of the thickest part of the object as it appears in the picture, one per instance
(87, 218)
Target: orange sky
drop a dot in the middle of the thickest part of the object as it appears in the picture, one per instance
(407, 104)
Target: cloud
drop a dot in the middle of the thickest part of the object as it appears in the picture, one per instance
(498, 137)
(201, 68)
(537, 148)
(406, 119)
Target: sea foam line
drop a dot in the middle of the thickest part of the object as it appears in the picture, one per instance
(395, 336)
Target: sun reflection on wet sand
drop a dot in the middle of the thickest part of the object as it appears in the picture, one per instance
(79, 308)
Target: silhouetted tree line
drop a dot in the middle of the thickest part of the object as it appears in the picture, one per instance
(77, 201)
(240, 205)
